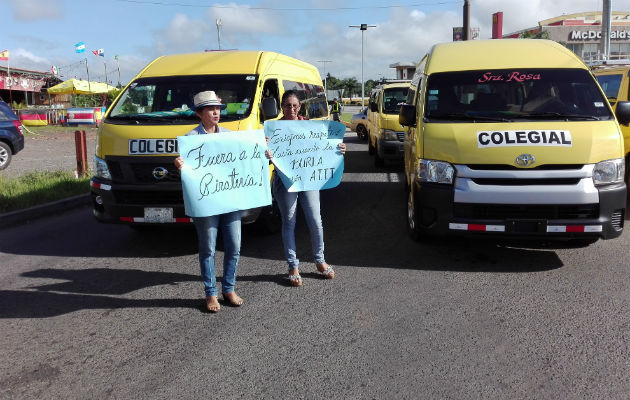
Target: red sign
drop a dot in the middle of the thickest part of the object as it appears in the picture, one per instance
(17, 82)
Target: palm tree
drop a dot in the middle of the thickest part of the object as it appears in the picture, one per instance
(351, 86)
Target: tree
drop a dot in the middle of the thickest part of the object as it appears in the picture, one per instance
(534, 35)
(333, 83)
(351, 86)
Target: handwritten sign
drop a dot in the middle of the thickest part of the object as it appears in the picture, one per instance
(305, 153)
(224, 172)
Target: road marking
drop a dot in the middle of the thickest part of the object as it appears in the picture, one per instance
(372, 177)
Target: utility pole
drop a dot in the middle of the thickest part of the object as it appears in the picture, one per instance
(219, 24)
(363, 28)
(324, 62)
(466, 23)
(606, 31)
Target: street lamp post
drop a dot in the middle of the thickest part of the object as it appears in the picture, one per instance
(363, 28)
(325, 87)
(219, 24)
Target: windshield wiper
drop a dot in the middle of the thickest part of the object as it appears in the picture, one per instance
(557, 115)
(468, 116)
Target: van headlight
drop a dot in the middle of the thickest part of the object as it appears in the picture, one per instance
(435, 171)
(100, 169)
(388, 134)
(609, 171)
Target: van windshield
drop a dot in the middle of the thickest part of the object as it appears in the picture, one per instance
(169, 100)
(393, 98)
(610, 84)
(508, 94)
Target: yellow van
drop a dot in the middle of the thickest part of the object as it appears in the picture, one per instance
(135, 181)
(512, 138)
(614, 81)
(385, 134)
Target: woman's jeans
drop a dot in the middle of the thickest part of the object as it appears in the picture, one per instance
(287, 203)
(207, 228)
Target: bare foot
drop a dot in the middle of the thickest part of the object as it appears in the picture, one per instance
(294, 277)
(212, 304)
(326, 270)
(233, 298)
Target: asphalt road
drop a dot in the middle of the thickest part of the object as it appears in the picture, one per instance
(101, 311)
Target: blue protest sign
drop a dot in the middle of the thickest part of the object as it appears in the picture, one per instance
(224, 172)
(305, 153)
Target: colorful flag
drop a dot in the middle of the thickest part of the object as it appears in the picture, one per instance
(4, 55)
(101, 52)
(54, 70)
(116, 57)
(79, 47)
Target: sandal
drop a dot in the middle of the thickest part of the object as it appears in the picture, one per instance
(328, 273)
(233, 299)
(295, 280)
(212, 304)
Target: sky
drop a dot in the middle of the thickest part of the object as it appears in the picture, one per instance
(43, 33)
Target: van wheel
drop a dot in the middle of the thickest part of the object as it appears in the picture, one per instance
(378, 160)
(413, 224)
(370, 147)
(5, 155)
(269, 221)
(361, 132)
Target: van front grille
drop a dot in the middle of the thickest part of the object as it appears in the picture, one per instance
(523, 211)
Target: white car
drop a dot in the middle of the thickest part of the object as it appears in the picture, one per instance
(358, 124)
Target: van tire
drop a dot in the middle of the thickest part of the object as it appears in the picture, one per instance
(379, 162)
(269, 221)
(361, 132)
(413, 223)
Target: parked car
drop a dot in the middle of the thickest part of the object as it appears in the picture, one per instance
(358, 124)
(11, 136)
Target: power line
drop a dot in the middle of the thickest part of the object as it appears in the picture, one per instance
(168, 4)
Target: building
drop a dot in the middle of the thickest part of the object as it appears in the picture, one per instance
(404, 70)
(582, 32)
(26, 88)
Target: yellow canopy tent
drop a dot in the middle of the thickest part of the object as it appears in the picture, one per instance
(78, 86)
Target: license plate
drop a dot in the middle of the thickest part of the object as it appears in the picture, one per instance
(158, 215)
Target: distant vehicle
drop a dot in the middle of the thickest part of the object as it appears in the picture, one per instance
(358, 124)
(11, 136)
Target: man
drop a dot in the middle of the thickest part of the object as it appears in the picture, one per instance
(335, 109)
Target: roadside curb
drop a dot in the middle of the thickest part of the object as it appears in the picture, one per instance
(28, 214)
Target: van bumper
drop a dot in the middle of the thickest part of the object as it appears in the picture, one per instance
(127, 204)
(439, 215)
(390, 149)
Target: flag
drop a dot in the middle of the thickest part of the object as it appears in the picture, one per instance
(54, 70)
(116, 57)
(4, 55)
(101, 52)
(79, 47)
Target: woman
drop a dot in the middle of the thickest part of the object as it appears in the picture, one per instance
(208, 108)
(309, 200)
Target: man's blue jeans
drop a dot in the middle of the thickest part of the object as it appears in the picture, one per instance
(207, 228)
(287, 203)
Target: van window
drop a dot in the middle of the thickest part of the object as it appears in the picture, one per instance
(610, 84)
(169, 100)
(393, 98)
(312, 98)
(552, 94)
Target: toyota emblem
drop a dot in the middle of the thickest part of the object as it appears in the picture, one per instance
(160, 173)
(525, 160)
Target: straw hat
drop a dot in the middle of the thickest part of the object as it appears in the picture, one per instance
(207, 98)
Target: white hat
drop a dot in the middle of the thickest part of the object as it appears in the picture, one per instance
(207, 98)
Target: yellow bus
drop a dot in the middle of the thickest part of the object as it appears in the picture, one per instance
(512, 138)
(135, 181)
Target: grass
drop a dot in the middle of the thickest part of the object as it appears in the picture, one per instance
(345, 117)
(38, 188)
(54, 130)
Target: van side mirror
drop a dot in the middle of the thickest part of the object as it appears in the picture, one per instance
(373, 106)
(407, 115)
(269, 108)
(623, 112)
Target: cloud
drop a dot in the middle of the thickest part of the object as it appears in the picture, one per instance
(26, 56)
(33, 10)
(183, 34)
(242, 25)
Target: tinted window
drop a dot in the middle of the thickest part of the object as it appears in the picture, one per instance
(610, 84)
(170, 99)
(312, 99)
(514, 94)
(393, 98)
